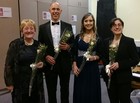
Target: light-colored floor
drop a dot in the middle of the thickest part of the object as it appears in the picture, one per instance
(7, 97)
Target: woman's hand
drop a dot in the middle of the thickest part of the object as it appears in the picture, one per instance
(114, 66)
(93, 58)
(10, 88)
(75, 69)
(39, 65)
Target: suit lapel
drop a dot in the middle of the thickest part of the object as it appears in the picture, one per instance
(120, 45)
(62, 28)
(48, 31)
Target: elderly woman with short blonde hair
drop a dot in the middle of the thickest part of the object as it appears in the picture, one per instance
(17, 72)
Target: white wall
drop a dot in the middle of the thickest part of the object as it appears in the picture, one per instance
(128, 11)
(92, 7)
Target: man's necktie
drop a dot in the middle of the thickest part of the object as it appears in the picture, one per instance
(55, 23)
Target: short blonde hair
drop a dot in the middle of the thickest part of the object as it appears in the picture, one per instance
(25, 22)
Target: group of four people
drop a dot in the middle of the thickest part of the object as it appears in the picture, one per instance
(81, 54)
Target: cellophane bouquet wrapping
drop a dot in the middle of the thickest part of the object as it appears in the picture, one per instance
(41, 51)
(88, 53)
(64, 38)
(112, 54)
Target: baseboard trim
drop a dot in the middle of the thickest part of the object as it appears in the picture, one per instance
(4, 91)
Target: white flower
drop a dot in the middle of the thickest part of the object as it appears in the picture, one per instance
(68, 35)
(56, 49)
(38, 51)
(33, 66)
(92, 43)
(113, 45)
(87, 55)
(107, 69)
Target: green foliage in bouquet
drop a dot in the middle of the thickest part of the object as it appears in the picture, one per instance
(40, 53)
(89, 52)
(39, 57)
(112, 52)
(65, 36)
(91, 46)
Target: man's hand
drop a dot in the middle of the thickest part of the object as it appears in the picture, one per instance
(50, 59)
(39, 64)
(64, 46)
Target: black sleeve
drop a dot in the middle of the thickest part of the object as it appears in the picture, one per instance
(133, 56)
(9, 63)
(75, 48)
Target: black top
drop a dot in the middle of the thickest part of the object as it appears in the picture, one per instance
(18, 72)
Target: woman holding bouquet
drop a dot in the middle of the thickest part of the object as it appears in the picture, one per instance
(21, 53)
(118, 65)
(86, 52)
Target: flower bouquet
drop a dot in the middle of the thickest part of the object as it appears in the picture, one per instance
(64, 38)
(88, 53)
(112, 54)
(39, 57)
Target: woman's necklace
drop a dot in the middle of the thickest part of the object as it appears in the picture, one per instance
(28, 42)
(88, 37)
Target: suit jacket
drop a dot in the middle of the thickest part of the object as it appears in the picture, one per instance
(127, 57)
(63, 60)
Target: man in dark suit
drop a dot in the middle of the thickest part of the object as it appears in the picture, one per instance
(50, 33)
(119, 64)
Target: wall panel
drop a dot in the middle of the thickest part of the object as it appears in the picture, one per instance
(79, 12)
(44, 6)
(28, 10)
(9, 30)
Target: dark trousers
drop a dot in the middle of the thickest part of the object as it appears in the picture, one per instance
(51, 82)
(119, 93)
(19, 97)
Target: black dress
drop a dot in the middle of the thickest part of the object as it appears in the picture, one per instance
(87, 87)
(18, 72)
